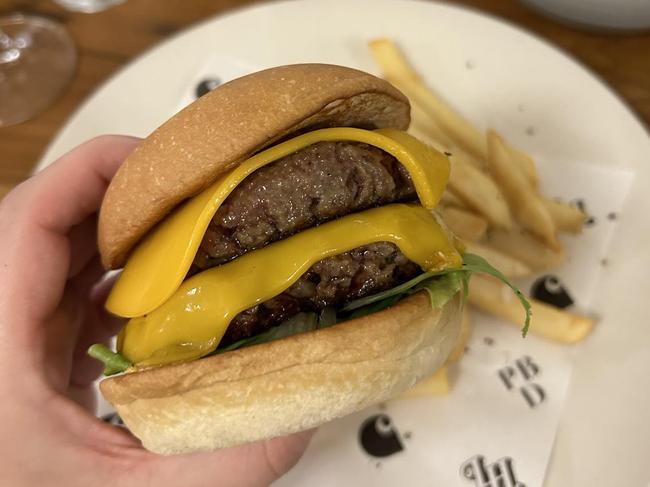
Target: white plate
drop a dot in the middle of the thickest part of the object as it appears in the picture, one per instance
(498, 76)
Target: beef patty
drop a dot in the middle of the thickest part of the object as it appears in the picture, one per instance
(330, 282)
(321, 182)
(316, 184)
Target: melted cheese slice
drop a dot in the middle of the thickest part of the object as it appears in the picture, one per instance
(160, 262)
(193, 320)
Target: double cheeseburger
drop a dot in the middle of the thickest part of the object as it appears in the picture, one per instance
(278, 244)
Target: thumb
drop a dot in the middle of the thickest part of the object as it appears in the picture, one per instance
(252, 465)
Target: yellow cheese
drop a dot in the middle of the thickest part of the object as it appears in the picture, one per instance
(160, 262)
(192, 321)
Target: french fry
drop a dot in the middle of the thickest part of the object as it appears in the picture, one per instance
(526, 164)
(457, 152)
(399, 72)
(508, 265)
(464, 224)
(492, 185)
(436, 385)
(524, 247)
(479, 192)
(547, 321)
(463, 337)
(391, 60)
(450, 199)
(427, 130)
(420, 132)
(527, 207)
(567, 218)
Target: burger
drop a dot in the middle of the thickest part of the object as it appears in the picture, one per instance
(282, 262)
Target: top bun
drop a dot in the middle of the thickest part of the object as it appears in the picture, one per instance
(225, 127)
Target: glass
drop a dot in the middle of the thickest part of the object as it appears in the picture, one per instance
(88, 6)
(37, 61)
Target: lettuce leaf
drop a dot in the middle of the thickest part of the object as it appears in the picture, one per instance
(476, 263)
(299, 323)
(440, 286)
(114, 363)
(446, 280)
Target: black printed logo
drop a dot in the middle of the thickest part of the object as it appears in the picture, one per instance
(206, 86)
(582, 206)
(519, 377)
(379, 438)
(550, 290)
(498, 474)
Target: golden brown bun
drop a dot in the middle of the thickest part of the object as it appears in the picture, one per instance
(286, 385)
(226, 126)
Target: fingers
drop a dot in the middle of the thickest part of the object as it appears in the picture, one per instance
(73, 187)
(84, 396)
(253, 465)
(98, 326)
(35, 219)
(83, 244)
(52, 349)
(283, 453)
(72, 326)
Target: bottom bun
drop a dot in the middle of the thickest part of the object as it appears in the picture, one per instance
(287, 385)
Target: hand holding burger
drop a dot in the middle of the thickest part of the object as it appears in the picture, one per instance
(51, 310)
(283, 268)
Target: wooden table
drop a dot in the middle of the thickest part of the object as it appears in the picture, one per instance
(108, 40)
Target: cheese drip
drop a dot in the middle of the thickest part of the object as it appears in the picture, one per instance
(160, 262)
(191, 323)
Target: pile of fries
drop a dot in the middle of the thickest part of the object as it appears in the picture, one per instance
(494, 205)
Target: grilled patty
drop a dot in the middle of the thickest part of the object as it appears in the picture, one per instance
(331, 282)
(316, 184)
(319, 183)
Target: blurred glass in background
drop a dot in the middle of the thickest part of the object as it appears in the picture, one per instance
(88, 6)
(37, 61)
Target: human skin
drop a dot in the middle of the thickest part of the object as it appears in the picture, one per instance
(51, 310)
